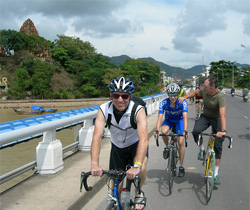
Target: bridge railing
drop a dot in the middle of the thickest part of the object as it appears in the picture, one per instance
(49, 152)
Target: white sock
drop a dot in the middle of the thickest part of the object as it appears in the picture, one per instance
(216, 171)
(202, 147)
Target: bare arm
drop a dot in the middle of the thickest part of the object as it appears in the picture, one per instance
(222, 121)
(189, 95)
(96, 144)
(142, 132)
(185, 120)
(159, 121)
(158, 125)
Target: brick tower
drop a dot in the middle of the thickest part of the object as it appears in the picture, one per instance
(29, 28)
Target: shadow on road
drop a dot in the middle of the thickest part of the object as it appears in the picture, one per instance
(196, 181)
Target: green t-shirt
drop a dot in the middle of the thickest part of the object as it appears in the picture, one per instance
(212, 104)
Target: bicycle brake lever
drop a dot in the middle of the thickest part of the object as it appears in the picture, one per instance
(157, 142)
(137, 181)
(84, 177)
(230, 146)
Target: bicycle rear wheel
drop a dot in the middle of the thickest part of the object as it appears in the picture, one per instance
(209, 175)
(170, 171)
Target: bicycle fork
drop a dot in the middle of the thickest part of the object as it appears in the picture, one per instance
(209, 167)
(115, 195)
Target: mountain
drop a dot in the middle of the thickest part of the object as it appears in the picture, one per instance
(171, 71)
(197, 69)
(242, 65)
(117, 60)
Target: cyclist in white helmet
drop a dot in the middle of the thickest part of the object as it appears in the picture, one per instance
(129, 145)
(175, 113)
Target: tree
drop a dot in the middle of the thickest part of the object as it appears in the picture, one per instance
(243, 80)
(76, 49)
(21, 82)
(60, 54)
(40, 81)
(223, 70)
(11, 40)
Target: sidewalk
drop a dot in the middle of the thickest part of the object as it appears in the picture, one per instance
(62, 191)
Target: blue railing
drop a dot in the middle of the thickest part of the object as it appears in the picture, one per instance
(49, 152)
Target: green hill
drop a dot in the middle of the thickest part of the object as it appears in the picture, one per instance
(171, 71)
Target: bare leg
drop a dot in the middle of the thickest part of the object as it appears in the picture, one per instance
(143, 176)
(165, 129)
(217, 162)
(181, 149)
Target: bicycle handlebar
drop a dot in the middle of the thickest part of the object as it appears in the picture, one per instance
(172, 135)
(230, 146)
(113, 174)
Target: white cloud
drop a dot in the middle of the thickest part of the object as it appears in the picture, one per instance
(176, 32)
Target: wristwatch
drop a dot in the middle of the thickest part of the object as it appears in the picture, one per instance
(223, 130)
(136, 165)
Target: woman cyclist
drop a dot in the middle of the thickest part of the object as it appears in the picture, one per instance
(175, 113)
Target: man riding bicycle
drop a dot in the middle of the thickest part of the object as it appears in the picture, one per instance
(175, 113)
(214, 115)
(128, 145)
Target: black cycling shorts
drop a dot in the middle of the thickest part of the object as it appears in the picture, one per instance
(121, 157)
(201, 125)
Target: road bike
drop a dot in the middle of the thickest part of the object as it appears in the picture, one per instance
(209, 162)
(173, 156)
(115, 201)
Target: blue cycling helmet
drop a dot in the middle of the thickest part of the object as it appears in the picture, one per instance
(121, 85)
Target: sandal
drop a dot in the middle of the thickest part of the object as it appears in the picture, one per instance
(141, 200)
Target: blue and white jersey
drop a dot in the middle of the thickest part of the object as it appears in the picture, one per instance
(173, 115)
(122, 133)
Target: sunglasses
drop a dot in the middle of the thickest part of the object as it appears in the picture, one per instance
(172, 95)
(116, 96)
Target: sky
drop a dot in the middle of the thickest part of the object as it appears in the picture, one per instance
(180, 33)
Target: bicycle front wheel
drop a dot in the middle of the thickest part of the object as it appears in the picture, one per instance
(209, 175)
(170, 171)
(111, 205)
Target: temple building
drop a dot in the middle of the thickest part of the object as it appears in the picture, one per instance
(29, 28)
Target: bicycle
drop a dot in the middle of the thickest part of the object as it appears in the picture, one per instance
(173, 151)
(115, 201)
(209, 162)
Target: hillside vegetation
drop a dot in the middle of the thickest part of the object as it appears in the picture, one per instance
(66, 68)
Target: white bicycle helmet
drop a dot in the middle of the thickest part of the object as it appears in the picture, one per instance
(121, 85)
(173, 88)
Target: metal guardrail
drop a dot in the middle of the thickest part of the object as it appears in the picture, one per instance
(12, 174)
(32, 127)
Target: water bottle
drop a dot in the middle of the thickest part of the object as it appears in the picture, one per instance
(125, 198)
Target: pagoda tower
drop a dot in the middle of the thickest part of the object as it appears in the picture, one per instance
(29, 28)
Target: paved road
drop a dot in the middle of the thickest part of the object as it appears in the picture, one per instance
(189, 192)
(61, 191)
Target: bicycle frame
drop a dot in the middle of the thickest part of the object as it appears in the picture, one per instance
(115, 194)
(173, 156)
(117, 177)
(209, 162)
(210, 146)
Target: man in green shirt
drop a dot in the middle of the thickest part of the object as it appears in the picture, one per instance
(214, 114)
